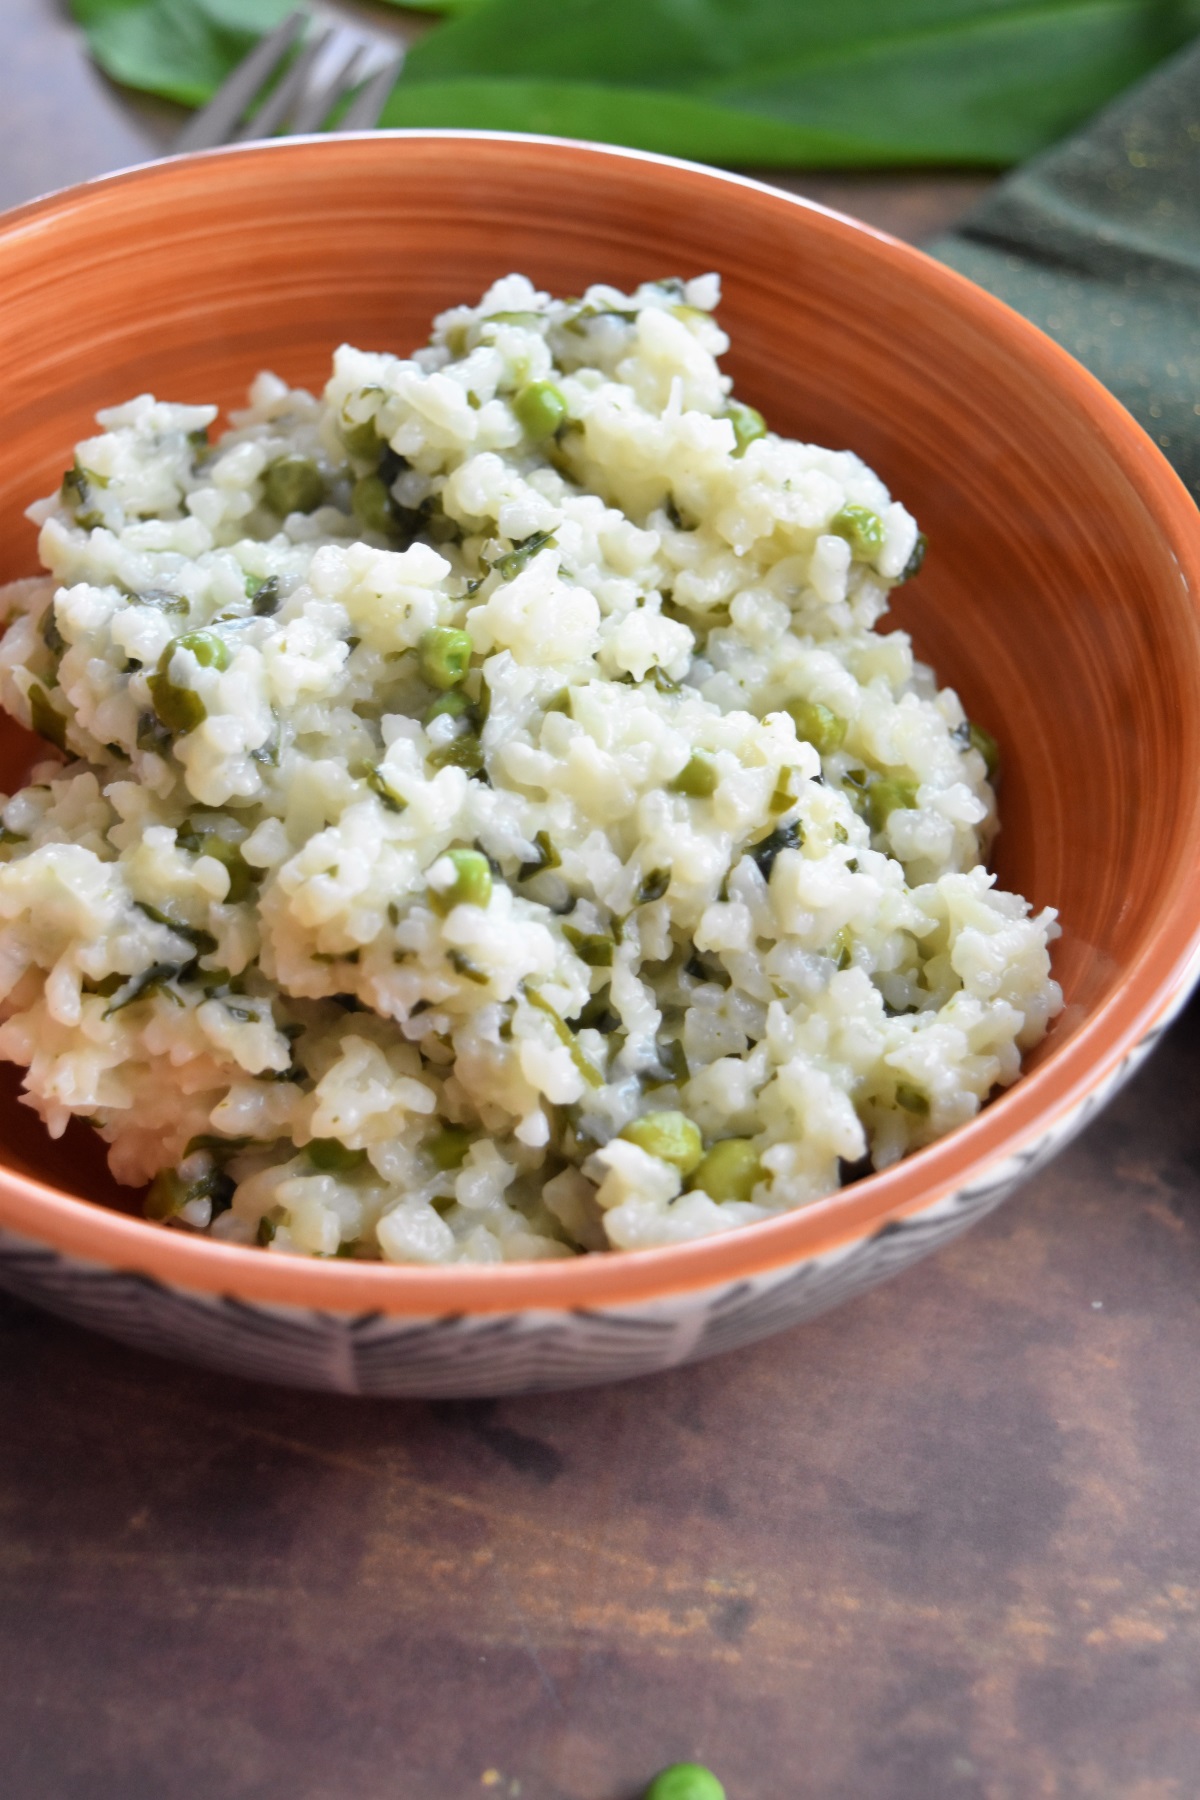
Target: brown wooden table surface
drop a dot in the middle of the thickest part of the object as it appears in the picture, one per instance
(942, 1545)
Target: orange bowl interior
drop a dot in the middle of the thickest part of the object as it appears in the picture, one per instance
(1057, 597)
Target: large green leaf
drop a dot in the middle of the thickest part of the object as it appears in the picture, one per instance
(182, 49)
(773, 82)
(967, 81)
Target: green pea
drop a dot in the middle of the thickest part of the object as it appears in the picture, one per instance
(988, 748)
(209, 650)
(333, 1157)
(371, 503)
(912, 1099)
(887, 794)
(454, 705)
(748, 424)
(449, 1146)
(362, 441)
(445, 656)
(540, 408)
(671, 1136)
(241, 882)
(472, 884)
(861, 528)
(729, 1171)
(293, 484)
(179, 709)
(685, 1781)
(698, 777)
(817, 725)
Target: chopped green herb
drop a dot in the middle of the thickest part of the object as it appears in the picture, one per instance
(332, 1157)
(916, 559)
(47, 721)
(142, 986)
(470, 971)
(988, 748)
(514, 560)
(52, 637)
(817, 725)
(566, 1037)
(241, 877)
(547, 858)
(204, 941)
(465, 752)
(266, 598)
(887, 794)
(591, 947)
(153, 736)
(105, 987)
(654, 886)
(698, 778)
(912, 1099)
(161, 599)
(764, 853)
(748, 424)
(378, 783)
(216, 1146)
(449, 1146)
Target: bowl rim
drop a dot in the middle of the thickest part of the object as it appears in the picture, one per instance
(1038, 1108)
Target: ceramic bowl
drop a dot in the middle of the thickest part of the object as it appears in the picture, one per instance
(1058, 598)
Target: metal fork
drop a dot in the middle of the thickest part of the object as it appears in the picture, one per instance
(333, 63)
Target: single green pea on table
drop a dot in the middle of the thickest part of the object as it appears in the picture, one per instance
(685, 1781)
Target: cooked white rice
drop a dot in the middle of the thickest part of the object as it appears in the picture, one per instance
(723, 840)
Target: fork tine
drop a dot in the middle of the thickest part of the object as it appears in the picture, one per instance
(214, 123)
(284, 96)
(341, 73)
(364, 110)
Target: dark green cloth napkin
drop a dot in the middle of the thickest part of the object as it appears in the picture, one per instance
(1098, 242)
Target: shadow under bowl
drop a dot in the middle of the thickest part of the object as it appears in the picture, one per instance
(1058, 598)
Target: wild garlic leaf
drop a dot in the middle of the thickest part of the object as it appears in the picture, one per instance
(767, 82)
(829, 81)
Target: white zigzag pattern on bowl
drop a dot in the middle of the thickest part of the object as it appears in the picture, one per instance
(461, 1356)
(447, 1357)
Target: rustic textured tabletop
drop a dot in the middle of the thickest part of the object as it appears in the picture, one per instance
(942, 1545)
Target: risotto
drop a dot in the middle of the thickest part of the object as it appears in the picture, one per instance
(484, 822)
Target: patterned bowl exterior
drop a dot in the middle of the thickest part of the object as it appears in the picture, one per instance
(1059, 599)
(459, 1356)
